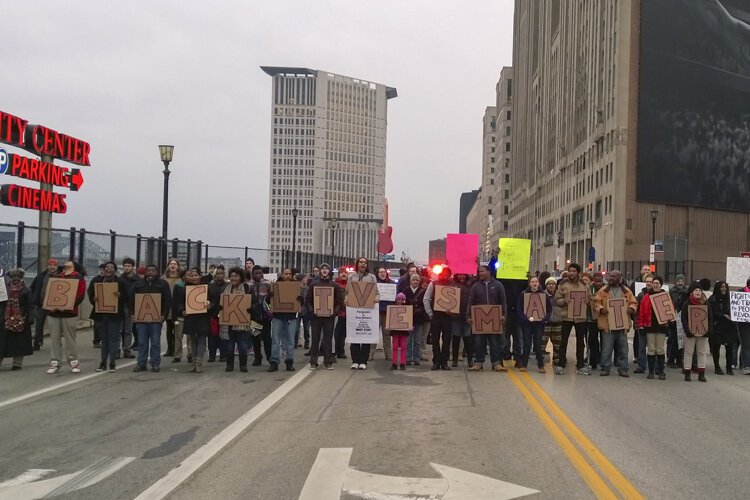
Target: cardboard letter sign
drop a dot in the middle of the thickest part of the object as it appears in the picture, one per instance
(234, 308)
(576, 306)
(361, 294)
(399, 318)
(284, 299)
(535, 306)
(105, 298)
(617, 314)
(486, 319)
(447, 299)
(698, 320)
(323, 301)
(663, 308)
(60, 294)
(147, 308)
(196, 298)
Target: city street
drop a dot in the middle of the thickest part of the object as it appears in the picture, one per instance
(352, 434)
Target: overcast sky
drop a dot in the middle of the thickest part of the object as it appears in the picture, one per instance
(127, 76)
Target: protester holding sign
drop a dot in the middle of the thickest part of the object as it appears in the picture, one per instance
(639, 339)
(441, 320)
(414, 294)
(398, 339)
(215, 289)
(260, 289)
(656, 332)
(109, 294)
(724, 332)
(38, 289)
(339, 330)
(572, 299)
(697, 333)
(615, 305)
(553, 329)
(488, 291)
(324, 299)
(593, 346)
(383, 279)
(148, 315)
(173, 276)
(744, 331)
(192, 307)
(283, 326)
(15, 320)
(63, 322)
(361, 352)
(461, 330)
(236, 336)
(534, 312)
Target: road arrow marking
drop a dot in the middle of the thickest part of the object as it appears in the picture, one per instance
(62, 484)
(331, 475)
(27, 477)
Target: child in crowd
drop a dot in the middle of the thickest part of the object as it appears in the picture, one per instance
(398, 339)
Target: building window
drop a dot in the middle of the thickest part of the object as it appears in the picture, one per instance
(507, 146)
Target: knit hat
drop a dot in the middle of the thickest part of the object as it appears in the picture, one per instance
(680, 277)
(549, 280)
(52, 262)
(400, 296)
(324, 264)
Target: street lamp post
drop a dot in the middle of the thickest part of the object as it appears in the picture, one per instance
(334, 226)
(654, 215)
(295, 213)
(591, 238)
(166, 157)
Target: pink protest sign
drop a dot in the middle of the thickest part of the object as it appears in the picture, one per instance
(461, 252)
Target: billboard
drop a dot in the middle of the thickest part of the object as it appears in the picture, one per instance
(694, 104)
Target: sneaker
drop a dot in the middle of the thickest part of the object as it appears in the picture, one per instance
(624, 374)
(54, 367)
(639, 370)
(408, 363)
(112, 368)
(102, 367)
(75, 366)
(176, 360)
(559, 370)
(190, 358)
(341, 356)
(604, 373)
(394, 367)
(476, 367)
(500, 368)
(402, 367)
(746, 371)
(139, 368)
(362, 366)
(128, 355)
(355, 366)
(15, 368)
(313, 366)
(155, 369)
(542, 370)
(522, 369)
(329, 366)
(273, 368)
(583, 371)
(96, 345)
(454, 364)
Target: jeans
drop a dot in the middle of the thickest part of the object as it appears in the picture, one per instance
(110, 326)
(532, 332)
(239, 339)
(567, 327)
(282, 332)
(339, 335)
(149, 334)
(744, 329)
(611, 340)
(641, 354)
(497, 347)
(127, 329)
(40, 315)
(98, 335)
(413, 344)
(460, 328)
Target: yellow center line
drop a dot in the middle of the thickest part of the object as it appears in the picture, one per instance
(620, 482)
(590, 476)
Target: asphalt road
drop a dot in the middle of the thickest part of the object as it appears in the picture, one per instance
(209, 435)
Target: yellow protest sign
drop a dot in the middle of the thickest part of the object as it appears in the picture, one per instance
(513, 258)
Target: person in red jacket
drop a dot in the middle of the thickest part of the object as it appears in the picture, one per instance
(656, 334)
(62, 324)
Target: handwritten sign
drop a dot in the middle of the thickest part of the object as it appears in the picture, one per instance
(462, 252)
(196, 299)
(513, 258)
(698, 320)
(663, 308)
(738, 271)
(447, 299)
(739, 303)
(323, 301)
(535, 306)
(3, 289)
(60, 294)
(387, 292)
(284, 299)
(106, 300)
(640, 285)
(617, 314)
(399, 318)
(361, 294)
(486, 319)
(147, 308)
(234, 309)
(577, 305)
(362, 325)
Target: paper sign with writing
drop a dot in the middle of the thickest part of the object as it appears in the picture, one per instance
(535, 306)
(486, 319)
(147, 308)
(270, 277)
(196, 298)
(3, 290)
(361, 294)
(106, 299)
(462, 252)
(399, 318)
(387, 292)
(698, 320)
(447, 299)
(663, 308)
(617, 314)
(60, 294)
(323, 301)
(639, 286)
(362, 325)
(738, 271)
(577, 304)
(234, 309)
(513, 258)
(740, 306)
(284, 299)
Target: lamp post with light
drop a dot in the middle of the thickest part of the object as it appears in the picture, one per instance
(652, 252)
(165, 152)
(295, 213)
(591, 238)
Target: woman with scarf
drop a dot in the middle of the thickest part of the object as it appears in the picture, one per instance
(724, 331)
(15, 316)
(656, 333)
(695, 342)
(382, 277)
(236, 337)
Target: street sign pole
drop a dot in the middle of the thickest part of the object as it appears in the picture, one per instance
(44, 248)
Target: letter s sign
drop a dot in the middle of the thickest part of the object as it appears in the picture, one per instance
(4, 160)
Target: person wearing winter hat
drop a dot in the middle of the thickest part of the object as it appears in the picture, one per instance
(694, 341)
(38, 289)
(678, 294)
(361, 352)
(553, 328)
(322, 326)
(15, 321)
(398, 339)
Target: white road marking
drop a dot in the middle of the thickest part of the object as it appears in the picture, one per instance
(74, 380)
(331, 475)
(27, 477)
(167, 484)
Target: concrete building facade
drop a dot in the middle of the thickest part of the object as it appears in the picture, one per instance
(328, 159)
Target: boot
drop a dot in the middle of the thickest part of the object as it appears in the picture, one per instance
(243, 363)
(702, 374)
(651, 362)
(660, 366)
(687, 375)
(230, 362)
(289, 366)
(198, 365)
(717, 367)
(193, 367)
(273, 368)
(730, 370)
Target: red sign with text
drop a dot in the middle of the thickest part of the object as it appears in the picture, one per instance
(17, 196)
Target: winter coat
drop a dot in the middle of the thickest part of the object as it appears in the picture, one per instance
(157, 285)
(490, 292)
(415, 297)
(523, 319)
(338, 293)
(562, 297)
(686, 322)
(724, 330)
(80, 295)
(123, 299)
(195, 324)
(600, 302)
(647, 317)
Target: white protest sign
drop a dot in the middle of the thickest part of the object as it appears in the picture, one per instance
(362, 325)
(3, 290)
(270, 277)
(738, 271)
(639, 286)
(740, 304)
(387, 292)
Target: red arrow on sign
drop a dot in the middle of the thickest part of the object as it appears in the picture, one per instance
(76, 179)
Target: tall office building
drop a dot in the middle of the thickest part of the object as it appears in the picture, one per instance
(629, 128)
(328, 151)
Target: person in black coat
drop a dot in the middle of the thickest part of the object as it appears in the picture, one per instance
(110, 323)
(15, 320)
(724, 331)
(197, 325)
